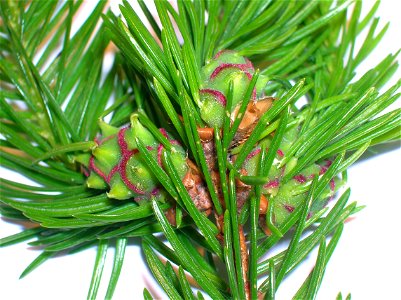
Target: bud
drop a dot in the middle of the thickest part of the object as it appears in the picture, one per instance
(118, 190)
(106, 129)
(94, 181)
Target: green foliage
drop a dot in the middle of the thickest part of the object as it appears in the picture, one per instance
(55, 89)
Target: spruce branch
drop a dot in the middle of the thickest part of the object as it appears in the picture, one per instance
(241, 163)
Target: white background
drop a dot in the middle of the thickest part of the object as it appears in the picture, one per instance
(366, 262)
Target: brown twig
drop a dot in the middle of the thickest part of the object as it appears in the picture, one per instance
(244, 261)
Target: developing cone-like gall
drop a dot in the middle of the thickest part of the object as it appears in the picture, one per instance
(285, 197)
(226, 66)
(117, 164)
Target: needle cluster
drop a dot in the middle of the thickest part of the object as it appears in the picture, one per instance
(55, 89)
